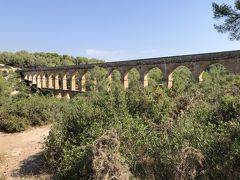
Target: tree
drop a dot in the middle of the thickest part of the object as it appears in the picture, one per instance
(231, 19)
(41, 59)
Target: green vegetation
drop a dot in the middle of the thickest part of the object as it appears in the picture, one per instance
(190, 131)
(20, 110)
(231, 17)
(24, 59)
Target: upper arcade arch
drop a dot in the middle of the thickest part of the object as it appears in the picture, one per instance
(133, 76)
(98, 79)
(231, 65)
(180, 76)
(114, 77)
(213, 71)
(153, 77)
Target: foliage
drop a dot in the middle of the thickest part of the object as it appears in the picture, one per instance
(231, 17)
(17, 112)
(14, 124)
(19, 108)
(25, 59)
(182, 80)
(191, 131)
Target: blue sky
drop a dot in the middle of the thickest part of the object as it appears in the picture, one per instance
(110, 29)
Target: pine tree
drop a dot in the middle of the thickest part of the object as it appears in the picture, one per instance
(231, 19)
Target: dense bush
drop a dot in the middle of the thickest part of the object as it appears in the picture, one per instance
(21, 110)
(14, 124)
(191, 131)
(35, 110)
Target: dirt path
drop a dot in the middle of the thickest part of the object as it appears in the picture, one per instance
(20, 153)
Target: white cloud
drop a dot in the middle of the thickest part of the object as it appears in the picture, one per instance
(150, 51)
(121, 55)
(94, 53)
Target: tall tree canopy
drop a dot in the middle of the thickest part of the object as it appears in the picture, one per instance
(25, 59)
(231, 19)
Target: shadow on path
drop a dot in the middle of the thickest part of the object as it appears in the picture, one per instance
(30, 167)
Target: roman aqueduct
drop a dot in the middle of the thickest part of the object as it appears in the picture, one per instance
(55, 79)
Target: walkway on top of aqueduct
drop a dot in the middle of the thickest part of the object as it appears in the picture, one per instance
(51, 77)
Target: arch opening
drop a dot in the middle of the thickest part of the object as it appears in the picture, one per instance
(44, 80)
(155, 78)
(87, 78)
(214, 72)
(64, 81)
(77, 80)
(34, 79)
(180, 79)
(68, 80)
(59, 81)
(100, 78)
(97, 79)
(115, 78)
(39, 81)
(30, 77)
(50, 81)
(133, 77)
(80, 81)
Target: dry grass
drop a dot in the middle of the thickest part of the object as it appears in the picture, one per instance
(106, 158)
(190, 160)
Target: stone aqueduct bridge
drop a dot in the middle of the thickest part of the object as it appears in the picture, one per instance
(56, 79)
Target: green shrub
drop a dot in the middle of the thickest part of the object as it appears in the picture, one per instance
(38, 110)
(229, 108)
(14, 124)
(188, 132)
(35, 111)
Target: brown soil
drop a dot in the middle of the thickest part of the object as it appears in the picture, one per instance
(20, 154)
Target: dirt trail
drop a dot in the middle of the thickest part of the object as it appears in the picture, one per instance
(20, 153)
